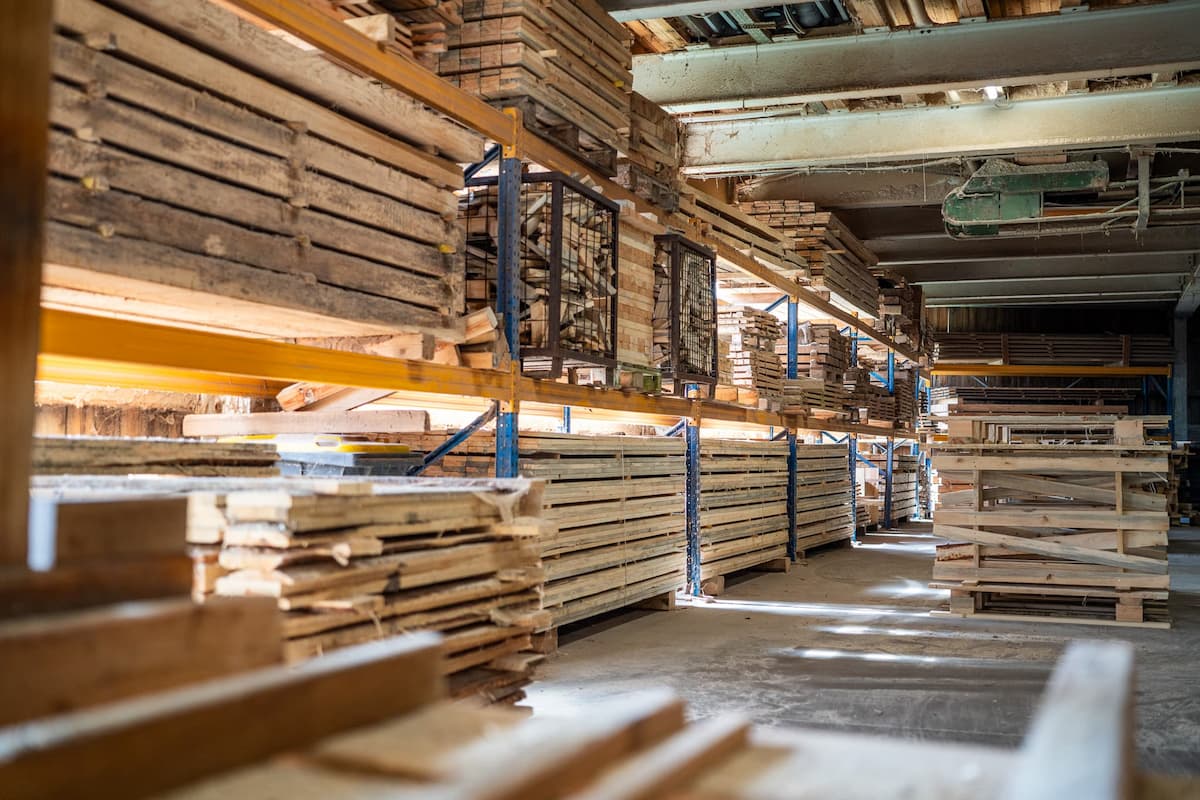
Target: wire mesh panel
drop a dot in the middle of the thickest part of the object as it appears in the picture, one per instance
(685, 312)
(567, 288)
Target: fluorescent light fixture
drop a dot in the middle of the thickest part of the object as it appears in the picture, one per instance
(993, 92)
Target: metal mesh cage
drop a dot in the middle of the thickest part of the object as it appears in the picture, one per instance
(685, 312)
(567, 287)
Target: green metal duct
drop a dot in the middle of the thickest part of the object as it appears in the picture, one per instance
(1002, 194)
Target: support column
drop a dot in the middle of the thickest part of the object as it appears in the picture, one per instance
(691, 435)
(887, 483)
(24, 129)
(1180, 381)
(793, 335)
(508, 263)
(791, 494)
(853, 450)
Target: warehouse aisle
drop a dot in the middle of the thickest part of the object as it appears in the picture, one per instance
(845, 641)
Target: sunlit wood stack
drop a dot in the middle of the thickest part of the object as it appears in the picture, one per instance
(822, 495)
(804, 394)
(565, 65)
(650, 166)
(901, 314)
(1063, 518)
(874, 402)
(837, 261)
(615, 509)
(753, 336)
(635, 290)
(100, 455)
(741, 232)
(367, 561)
(822, 352)
(177, 176)
(743, 505)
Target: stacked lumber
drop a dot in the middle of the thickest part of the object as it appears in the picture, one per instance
(566, 66)
(724, 358)
(822, 495)
(1063, 518)
(874, 403)
(753, 336)
(728, 225)
(801, 395)
(635, 290)
(370, 722)
(195, 155)
(743, 505)
(415, 29)
(354, 562)
(873, 483)
(1047, 399)
(104, 455)
(838, 262)
(822, 352)
(389, 31)
(1034, 348)
(902, 314)
(577, 323)
(649, 167)
(904, 389)
(615, 506)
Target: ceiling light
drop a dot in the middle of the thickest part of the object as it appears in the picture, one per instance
(993, 92)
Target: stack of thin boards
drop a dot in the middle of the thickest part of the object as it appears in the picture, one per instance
(838, 262)
(743, 505)
(102, 455)
(753, 336)
(800, 395)
(901, 312)
(905, 478)
(650, 166)
(635, 290)
(727, 224)
(355, 562)
(193, 155)
(1047, 399)
(616, 503)
(822, 495)
(874, 403)
(904, 389)
(1063, 518)
(585, 270)
(822, 352)
(423, 24)
(1034, 348)
(566, 66)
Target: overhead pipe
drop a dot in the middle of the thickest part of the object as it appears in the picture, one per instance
(920, 17)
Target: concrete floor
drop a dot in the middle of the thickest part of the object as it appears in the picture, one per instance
(845, 641)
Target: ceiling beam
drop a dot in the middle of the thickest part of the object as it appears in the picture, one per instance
(938, 248)
(630, 10)
(1072, 46)
(1069, 122)
(1090, 267)
(859, 190)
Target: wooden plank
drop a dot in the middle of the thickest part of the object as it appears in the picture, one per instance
(66, 662)
(24, 114)
(116, 751)
(23, 591)
(1081, 740)
(1018, 544)
(120, 528)
(279, 422)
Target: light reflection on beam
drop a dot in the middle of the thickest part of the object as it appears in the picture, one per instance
(801, 609)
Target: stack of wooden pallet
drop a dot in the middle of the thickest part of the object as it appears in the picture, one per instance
(635, 290)
(1033, 348)
(99, 455)
(802, 395)
(197, 177)
(650, 166)
(821, 352)
(565, 65)
(1064, 518)
(874, 403)
(822, 495)
(616, 503)
(743, 505)
(837, 261)
(366, 561)
(585, 271)
(976, 399)
(753, 336)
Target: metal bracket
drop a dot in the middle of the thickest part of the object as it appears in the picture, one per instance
(464, 433)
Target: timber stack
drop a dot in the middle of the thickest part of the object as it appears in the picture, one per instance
(822, 352)
(822, 495)
(738, 231)
(804, 395)
(875, 405)
(566, 66)
(837, 261)
(635, 290)
(1033, 348)
(614, 510)
(103, 455)
(354, 562)
(873, 482)
(1060, 518)
(311, 200)
(743, 507)
(650, 166)
(753, 336)
(902, 314)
